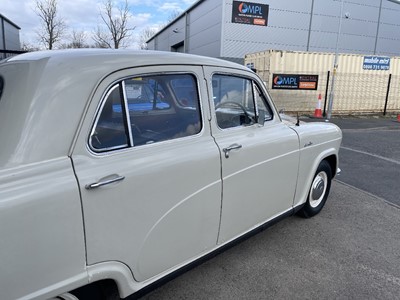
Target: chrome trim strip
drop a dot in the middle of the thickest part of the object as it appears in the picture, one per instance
(127, 114)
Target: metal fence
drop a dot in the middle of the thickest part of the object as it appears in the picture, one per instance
(8, 53)
(356, 90)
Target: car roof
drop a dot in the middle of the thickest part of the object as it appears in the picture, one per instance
(134, 58)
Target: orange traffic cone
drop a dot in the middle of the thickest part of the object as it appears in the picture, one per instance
(318, 110)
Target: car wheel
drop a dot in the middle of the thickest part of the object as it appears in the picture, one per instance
(319, 191)
(66, 296)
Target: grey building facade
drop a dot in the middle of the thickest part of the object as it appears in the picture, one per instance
(9, 37)
(210, 28)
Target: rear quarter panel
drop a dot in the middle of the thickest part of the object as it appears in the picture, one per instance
(41, 233)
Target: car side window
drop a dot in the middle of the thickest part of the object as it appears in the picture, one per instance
(110, 131)
(233, 101)
(145, 95)
(153, 108)
(184, 92)
(263, 109)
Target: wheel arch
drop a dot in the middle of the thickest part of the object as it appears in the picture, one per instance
(111, 277)
(117, 272)
(307, 171)
(333, 163)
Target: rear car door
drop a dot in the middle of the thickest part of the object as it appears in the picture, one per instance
(259, 158)
(149, 170)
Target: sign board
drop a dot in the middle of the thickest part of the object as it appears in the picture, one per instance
(294, 81)
(133, 91)
(250, 13)
(250, 65)
(376, 63)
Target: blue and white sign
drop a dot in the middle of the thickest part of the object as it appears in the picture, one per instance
(376, 63)
(250, 65)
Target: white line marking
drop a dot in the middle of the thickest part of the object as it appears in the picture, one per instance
(351, 130)
(368, 193)
(373, 155)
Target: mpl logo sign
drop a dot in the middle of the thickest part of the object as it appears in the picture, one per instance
(248, 8)
(281, 81)
(250, 13)
(295, 81)
(285, 80)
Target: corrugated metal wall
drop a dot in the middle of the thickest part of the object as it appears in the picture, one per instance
(288, 25)
(356, 90)
(199, 30)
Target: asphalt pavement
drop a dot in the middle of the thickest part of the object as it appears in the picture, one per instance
(351, 250)
(370, 155)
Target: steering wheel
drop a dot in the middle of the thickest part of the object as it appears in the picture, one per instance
(227, 103)
(227, 123)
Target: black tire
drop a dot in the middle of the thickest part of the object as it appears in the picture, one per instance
(319, 191)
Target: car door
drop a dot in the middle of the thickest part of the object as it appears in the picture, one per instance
(259, 157)
(149, 170)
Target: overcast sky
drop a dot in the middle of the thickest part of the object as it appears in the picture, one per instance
(84, 15)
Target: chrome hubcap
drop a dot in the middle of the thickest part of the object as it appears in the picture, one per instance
(66, 296)
(318, 189)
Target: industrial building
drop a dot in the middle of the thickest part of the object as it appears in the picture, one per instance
(231, 29)
(9, 37)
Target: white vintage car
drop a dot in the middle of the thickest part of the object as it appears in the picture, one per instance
(118, 168)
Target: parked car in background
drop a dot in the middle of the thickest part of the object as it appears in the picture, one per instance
(120, 167)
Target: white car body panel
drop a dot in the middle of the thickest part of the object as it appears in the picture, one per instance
(41, 229)
(153, 215)
(180, 199)
(251, 192)
(311, 155)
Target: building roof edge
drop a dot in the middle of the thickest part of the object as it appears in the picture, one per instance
(176, 19)
(9, 21)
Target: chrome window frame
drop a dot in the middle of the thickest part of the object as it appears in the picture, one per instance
(98, 114)
(128, 146)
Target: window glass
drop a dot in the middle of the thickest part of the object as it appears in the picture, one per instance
(262, 106)
(145, 95)
(159, 108)
(163, 107)
(110, 131)
(234, 101)
(184, 92)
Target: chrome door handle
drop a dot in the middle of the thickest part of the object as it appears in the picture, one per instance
(231, 147)
(104, 182)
